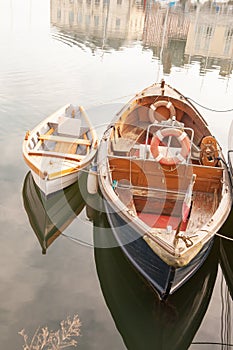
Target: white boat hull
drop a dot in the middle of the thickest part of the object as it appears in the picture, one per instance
(54, 185)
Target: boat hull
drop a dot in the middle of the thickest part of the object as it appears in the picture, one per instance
(166, 192)
(143, 321)
(57, 184)
(164, 278)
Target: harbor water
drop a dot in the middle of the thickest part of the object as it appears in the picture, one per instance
(99, 54)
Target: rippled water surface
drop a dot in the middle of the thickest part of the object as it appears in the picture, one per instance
(99, 53)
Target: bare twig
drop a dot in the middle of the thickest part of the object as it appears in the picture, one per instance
(43, 339)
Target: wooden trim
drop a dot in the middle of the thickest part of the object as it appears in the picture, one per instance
(158, 193)
(57, 138)
(64, 172)
(86, 138)
(75, 157)
(39, 143)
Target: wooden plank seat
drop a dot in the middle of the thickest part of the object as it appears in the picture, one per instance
(150, 174)
(122, 146)
(57, 138)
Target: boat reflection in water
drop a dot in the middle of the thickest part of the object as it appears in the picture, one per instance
(226, 249)
(142, 319)
(50, 215)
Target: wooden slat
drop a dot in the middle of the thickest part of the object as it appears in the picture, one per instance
(39, 143)
(158, 194)
(86, 138)
(57, 138)
(56, 155)
(65, 148)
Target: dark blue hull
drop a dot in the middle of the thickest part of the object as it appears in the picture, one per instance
(165, 279)
(143, 321)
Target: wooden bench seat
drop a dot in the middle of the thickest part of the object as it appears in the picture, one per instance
(57, 138)
(150, 174)
(122, 147)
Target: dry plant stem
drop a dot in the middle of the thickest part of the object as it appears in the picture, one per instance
(43, 339)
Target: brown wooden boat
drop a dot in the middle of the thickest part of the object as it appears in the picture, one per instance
(165, 184)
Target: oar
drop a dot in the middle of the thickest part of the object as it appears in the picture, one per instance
(185, 208)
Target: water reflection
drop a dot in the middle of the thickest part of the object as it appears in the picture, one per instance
(49, 216)
(226, 261)
(177, 33)
(226, 256)
(142, 320)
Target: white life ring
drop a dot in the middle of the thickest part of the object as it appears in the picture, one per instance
(161, 103)
(183, 139)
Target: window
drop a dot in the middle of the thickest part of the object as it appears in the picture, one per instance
(96, 21)
(118, 23)
(79, 17)
(88, 19)
(71, 17)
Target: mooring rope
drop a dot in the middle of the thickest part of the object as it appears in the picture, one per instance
(222, 236)
(187, 98)
(211, 343)
(77, 240)
(210, 109)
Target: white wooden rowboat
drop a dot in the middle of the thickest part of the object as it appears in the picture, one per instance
(60, 147)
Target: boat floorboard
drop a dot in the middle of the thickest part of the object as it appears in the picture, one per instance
(203, 208)
(64, 147)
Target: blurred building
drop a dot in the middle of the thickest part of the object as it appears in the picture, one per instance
(165, 31)
(113, 22)
(178, 33)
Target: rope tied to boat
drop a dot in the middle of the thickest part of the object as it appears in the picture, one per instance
(186, 239)
(209, 109)
(225, 237)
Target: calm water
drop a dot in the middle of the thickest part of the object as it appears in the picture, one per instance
(98, 54)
